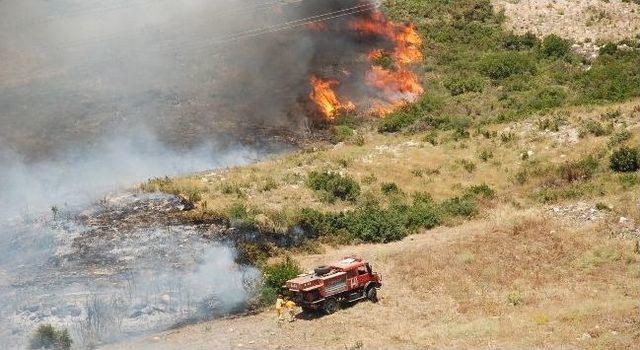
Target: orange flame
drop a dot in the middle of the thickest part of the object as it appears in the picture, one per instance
(325, 98)
(398, 84)
(400, 81)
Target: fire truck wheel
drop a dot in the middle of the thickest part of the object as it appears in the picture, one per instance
(372, 294)
(330, 306)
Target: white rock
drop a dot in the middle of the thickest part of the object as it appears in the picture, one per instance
(584, 337)
(623, 220)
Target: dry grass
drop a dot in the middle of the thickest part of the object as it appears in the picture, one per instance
(276, 187)
(450, 287)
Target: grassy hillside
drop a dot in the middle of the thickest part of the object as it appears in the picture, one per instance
(520, 166)
(506, 119)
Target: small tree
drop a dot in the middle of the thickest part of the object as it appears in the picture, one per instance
(625, 160)
(555, 46)
(48, 337)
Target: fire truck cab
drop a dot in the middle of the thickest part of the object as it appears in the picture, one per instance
(346, 280)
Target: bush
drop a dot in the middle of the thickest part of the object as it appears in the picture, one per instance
(625, 160)
(555, 46)
(458, 85)
(47, 337)
(514, 298)
(595, 128)
(424, 213)
(397, 121)
(275, 275)
(334, 184)
(479, 191)
(342, 133)
(521, 42)
(238, 211)
(580, 170)
(609, 49)
(389, 188)
(410, 113)
(502, 65)
(457, 206)
(548, 97)
(619, 137)
(374, 224)
(611, 78)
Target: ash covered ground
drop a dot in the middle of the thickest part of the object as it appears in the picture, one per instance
(120, 267)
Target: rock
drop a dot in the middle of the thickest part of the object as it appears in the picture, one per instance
(584, 337)
(623, 220)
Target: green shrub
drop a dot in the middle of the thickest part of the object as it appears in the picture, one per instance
(342, 133)
(397, 121)
(385, 61)
(485, 154)
(625, 159)
(410, 113)
(611, 78)
(548, 97)
(457, 206)
(375, 224)
(596, 128)
(502, 65)
(275, 275)
(467, 165)
(619, 137)
(424, 213)
(389, 188)
(555, 46)
(583, 169)
(334, 184)
(269, 184)
(479, 191)
(515, 298)
(609, 49)
(238, 211)
(48, 337)
(551, 124)
(521, 42)
(458, 84)
(629, 180)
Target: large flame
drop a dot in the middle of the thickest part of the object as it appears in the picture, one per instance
(394, 83)
(389, 73)
(398, 83)
(325, 98)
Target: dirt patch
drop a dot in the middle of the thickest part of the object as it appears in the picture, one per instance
(580, 20)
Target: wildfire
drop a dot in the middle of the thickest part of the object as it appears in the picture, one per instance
(325, 98)
(394, 82)
(392, 78)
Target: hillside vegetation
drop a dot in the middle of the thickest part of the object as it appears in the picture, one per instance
(529, 145)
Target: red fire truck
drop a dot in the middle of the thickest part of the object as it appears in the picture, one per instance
(347, 280)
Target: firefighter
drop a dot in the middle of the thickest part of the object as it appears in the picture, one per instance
(291, 308)
(280, 307)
